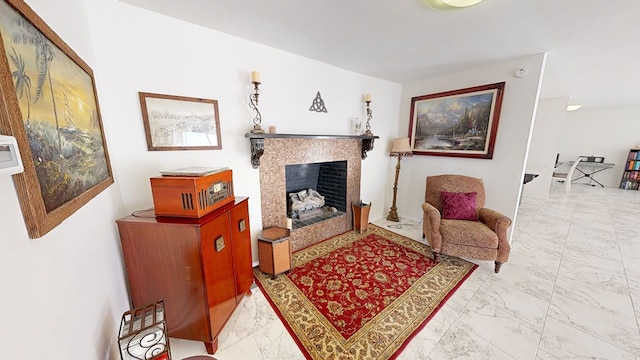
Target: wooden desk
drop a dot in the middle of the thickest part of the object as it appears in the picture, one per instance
(587, 169)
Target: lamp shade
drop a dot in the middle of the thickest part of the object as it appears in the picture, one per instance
(402, 147)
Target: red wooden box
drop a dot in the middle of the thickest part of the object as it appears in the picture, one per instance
(191, 196)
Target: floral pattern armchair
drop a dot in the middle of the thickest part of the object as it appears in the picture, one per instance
(482, 239)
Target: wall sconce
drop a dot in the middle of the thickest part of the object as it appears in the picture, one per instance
(401, 148)
(253, 103)
(367, 100)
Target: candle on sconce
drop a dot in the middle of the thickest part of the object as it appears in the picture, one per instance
(367, 97)
(255, 76)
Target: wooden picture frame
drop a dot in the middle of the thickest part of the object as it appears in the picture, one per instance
(458, 123)
(180, 123)
(48, 102)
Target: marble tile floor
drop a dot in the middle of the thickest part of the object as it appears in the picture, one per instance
(571, 290)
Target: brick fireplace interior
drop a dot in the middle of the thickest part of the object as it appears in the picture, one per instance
(328, 179)
(282, 151)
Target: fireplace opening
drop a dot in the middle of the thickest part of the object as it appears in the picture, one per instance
(316, 192)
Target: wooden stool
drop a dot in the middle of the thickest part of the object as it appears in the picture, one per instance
(274, 251)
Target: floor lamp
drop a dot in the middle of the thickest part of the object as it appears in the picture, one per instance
(401, 148)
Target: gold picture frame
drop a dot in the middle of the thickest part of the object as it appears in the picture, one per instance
(180, 123)
(48, 102)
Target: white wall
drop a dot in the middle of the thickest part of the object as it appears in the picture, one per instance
(60, 294)
(545, 142)
(503, 174)
(608, 132)
(63, 294)
(155, 53)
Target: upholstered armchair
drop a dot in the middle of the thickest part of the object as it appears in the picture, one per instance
(457, 223)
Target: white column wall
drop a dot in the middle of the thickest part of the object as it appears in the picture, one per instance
(545, 142)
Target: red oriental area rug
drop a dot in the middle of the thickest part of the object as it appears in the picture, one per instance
(361, 296)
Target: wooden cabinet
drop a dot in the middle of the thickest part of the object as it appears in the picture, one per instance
(201, 268)
(631, 174)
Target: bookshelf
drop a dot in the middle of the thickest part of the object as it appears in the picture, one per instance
(631, 174)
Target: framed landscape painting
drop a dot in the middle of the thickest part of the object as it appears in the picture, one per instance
(180, 123)
(460, 123)
(48, 103)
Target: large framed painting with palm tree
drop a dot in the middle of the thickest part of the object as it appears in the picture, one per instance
(48, 102)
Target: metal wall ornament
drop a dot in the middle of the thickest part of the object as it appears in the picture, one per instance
(318, 104)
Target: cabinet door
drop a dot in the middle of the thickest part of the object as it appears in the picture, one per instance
(217, 265)
(241, 235)
(163, 263)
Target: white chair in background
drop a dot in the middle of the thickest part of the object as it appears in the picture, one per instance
(566, 177)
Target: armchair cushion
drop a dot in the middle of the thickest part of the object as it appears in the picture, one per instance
(469, 233)
(459, 205)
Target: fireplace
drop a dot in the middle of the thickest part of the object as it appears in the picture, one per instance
(279, 151)
(315, 192)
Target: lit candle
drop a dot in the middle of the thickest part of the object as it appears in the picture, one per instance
(367, 97)
(255, 76)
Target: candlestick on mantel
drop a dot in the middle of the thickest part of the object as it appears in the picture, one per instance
(367, 100)
(255, 76)
(253, 103)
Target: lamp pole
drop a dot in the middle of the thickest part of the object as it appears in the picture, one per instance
(393, 213)
(401, 147)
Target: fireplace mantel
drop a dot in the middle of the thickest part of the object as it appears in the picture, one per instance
(257, 142)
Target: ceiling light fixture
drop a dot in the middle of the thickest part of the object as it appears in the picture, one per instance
(452, 4)
(573, 107)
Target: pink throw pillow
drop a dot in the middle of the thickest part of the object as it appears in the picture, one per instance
(459, 206)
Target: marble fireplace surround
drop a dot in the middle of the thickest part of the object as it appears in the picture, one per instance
(279, 151)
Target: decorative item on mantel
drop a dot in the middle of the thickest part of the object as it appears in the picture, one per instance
(253, 103)
(401, 148)
(367, 99)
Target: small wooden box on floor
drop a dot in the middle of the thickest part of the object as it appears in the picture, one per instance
(361, 217)
(274, 251)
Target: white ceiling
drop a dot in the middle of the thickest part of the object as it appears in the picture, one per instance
(593, 46)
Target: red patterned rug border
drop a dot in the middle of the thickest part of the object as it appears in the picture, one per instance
(284, 321)
(433, 313)
(446, 268)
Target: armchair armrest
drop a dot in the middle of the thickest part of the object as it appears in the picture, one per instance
(431, 226)
(499, 223)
